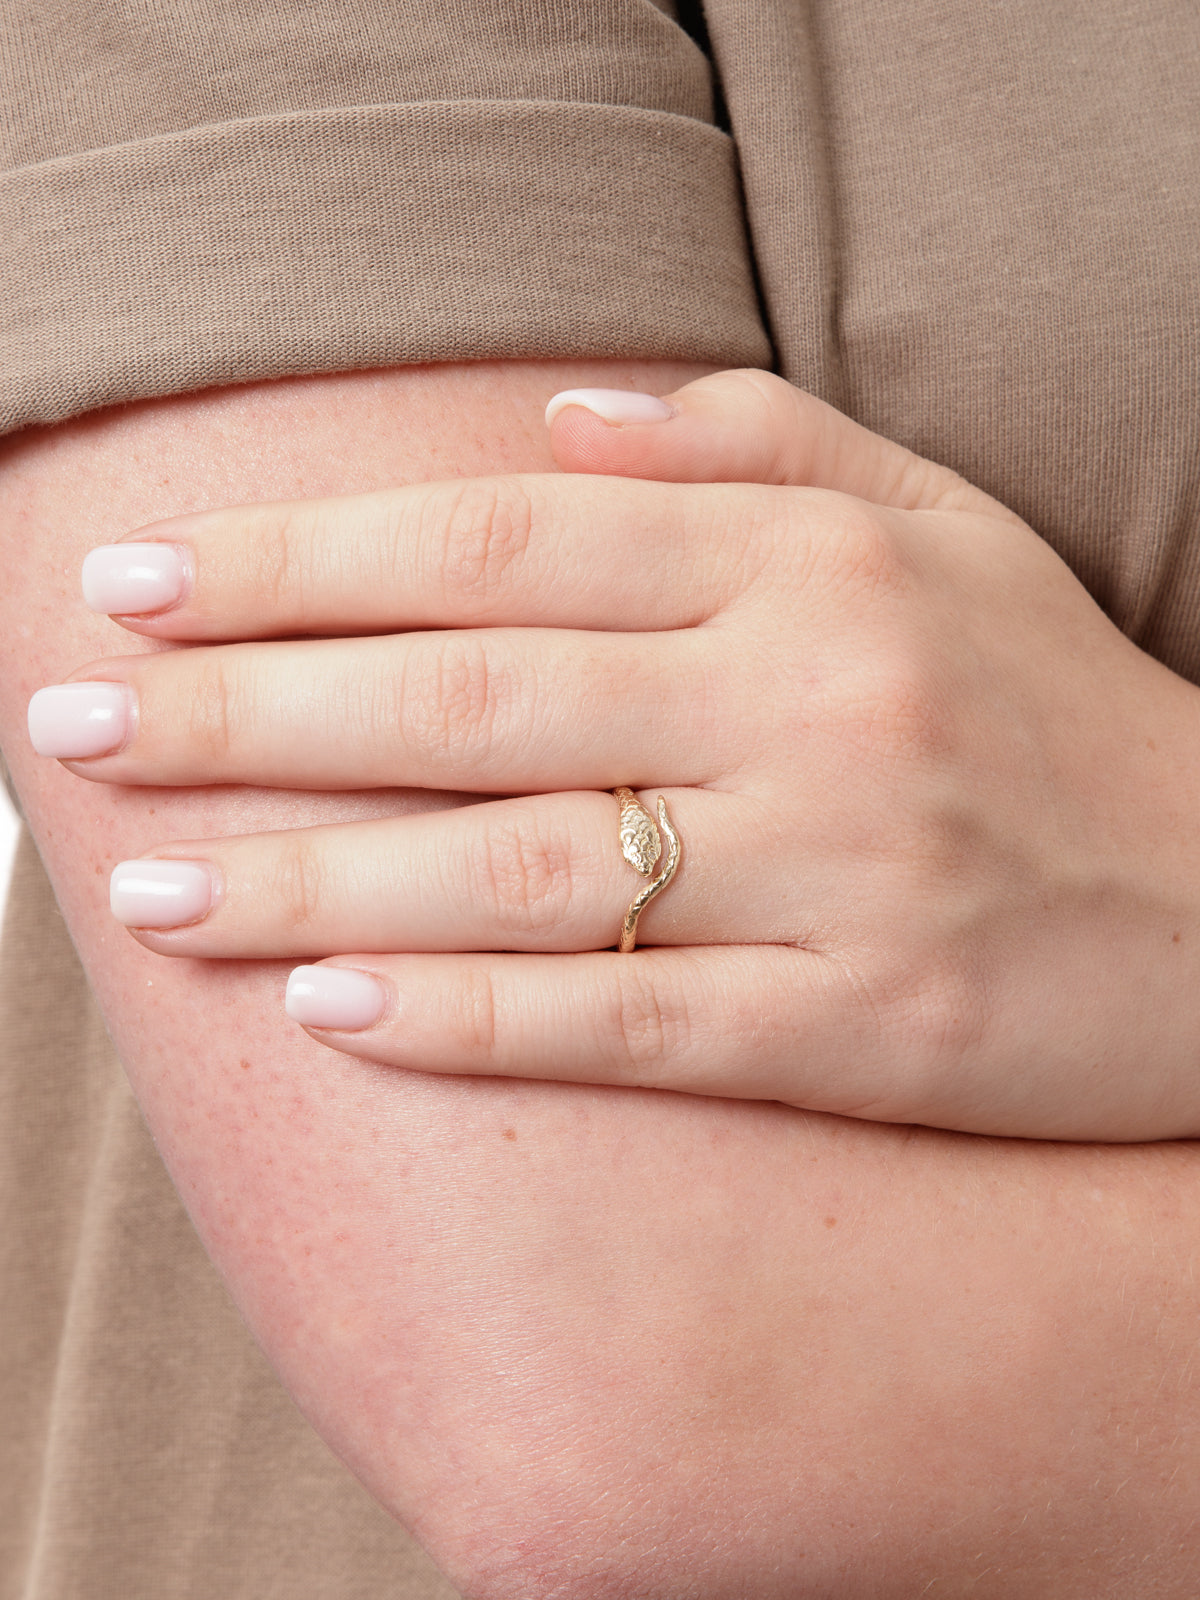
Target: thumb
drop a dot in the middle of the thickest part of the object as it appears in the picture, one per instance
(747, 427)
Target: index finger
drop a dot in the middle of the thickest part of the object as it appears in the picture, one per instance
(518, 550)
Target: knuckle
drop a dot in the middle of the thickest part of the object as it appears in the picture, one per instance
(843, 555)
(866, 556)
(899, 716)
(472, 1019)
(649, 1027)
(275, 561)
(524, 877)
(844, 549)
(296, 888)
(211, 697)
(935, 1018)
(450, 699)
(484, 527)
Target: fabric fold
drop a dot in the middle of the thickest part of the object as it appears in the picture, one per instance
(369, 237)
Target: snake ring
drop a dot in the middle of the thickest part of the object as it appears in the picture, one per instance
(642, 847)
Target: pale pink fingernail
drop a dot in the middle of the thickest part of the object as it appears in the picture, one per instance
(334, 997)
(613, 405)
(75, 720)
(160, 894)
(129, 579)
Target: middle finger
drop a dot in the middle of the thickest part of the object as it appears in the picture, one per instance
(502, 710)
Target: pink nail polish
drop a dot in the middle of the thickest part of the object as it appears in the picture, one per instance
(613, 405)
(334, 997)
(75, 720)
(160, 894)
(131, 579)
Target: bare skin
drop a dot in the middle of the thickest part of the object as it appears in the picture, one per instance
(596, 1342)
(939, 865)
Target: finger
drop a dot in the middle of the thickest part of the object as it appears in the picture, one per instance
(758, 1022)
(499, 711)
(749, 427)
(539, 874)
(582, 553)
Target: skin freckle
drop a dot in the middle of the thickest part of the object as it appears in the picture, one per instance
(244, 1064)
(831, 1222)
(510, 1133)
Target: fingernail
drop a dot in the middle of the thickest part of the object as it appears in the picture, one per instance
(613, 405)
(128, 579)
(334, 997)
(160, 894)
(76, 720)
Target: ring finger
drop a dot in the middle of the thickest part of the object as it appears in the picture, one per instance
(539, 874)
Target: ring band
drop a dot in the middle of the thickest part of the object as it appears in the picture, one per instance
(641, 845)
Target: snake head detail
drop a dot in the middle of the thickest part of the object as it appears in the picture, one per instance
(641, 842)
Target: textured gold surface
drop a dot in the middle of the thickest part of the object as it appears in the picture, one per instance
(641, 845)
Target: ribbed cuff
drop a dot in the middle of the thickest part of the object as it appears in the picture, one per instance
(369, 237)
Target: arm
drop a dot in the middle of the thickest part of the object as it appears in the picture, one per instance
(598, 1343)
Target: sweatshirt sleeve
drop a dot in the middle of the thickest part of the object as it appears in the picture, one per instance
(206, 192)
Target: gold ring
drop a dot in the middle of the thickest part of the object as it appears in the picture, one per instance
(641, 845)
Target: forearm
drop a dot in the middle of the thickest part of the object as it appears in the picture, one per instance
(259, 1134)
(590, 1342)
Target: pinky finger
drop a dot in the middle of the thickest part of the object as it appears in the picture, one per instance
(756, 1022)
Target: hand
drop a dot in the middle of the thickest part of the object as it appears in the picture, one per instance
(938, 864)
